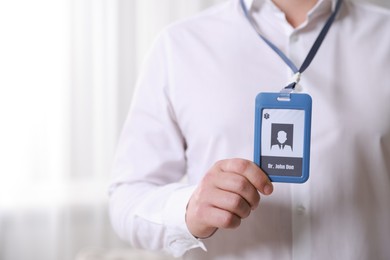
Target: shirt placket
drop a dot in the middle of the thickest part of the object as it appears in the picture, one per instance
(300, 193)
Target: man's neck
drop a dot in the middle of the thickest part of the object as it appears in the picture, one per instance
(295, 10)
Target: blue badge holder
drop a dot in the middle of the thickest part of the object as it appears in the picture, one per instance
(282, 136)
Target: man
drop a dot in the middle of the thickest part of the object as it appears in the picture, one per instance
(193, 115)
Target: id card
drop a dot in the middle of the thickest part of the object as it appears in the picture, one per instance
(282, 136)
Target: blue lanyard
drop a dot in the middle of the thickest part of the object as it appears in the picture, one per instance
(313, 51)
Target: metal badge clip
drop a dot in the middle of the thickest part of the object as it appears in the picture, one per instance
(284, 94)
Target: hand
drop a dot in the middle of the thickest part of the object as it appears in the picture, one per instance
(227, 193)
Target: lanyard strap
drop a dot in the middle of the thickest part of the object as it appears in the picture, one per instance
(312, 53)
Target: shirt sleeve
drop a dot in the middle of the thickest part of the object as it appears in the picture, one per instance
(147, 198)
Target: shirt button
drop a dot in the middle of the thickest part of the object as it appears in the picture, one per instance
(294, 38)
(301, 210)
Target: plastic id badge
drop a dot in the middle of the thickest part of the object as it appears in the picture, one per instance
(282, 136)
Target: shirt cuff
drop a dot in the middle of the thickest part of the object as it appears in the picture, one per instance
(179, 239)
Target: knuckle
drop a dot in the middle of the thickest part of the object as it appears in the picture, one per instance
(206, 180)
(219, 163)
(241, 184)
(209, 179)
(236, 202)
(241, 165)
(230, 221)
(212, 172)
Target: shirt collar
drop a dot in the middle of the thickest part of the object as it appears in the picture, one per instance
(321, 7)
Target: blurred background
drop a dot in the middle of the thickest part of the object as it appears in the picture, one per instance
(67, 72)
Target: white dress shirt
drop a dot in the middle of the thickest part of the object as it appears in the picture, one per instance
(194, 105)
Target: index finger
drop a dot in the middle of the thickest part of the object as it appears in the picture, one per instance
(251, 171)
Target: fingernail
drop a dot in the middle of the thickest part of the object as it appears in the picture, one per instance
(268, 188)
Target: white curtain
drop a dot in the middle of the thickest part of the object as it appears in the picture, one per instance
(67, 71)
